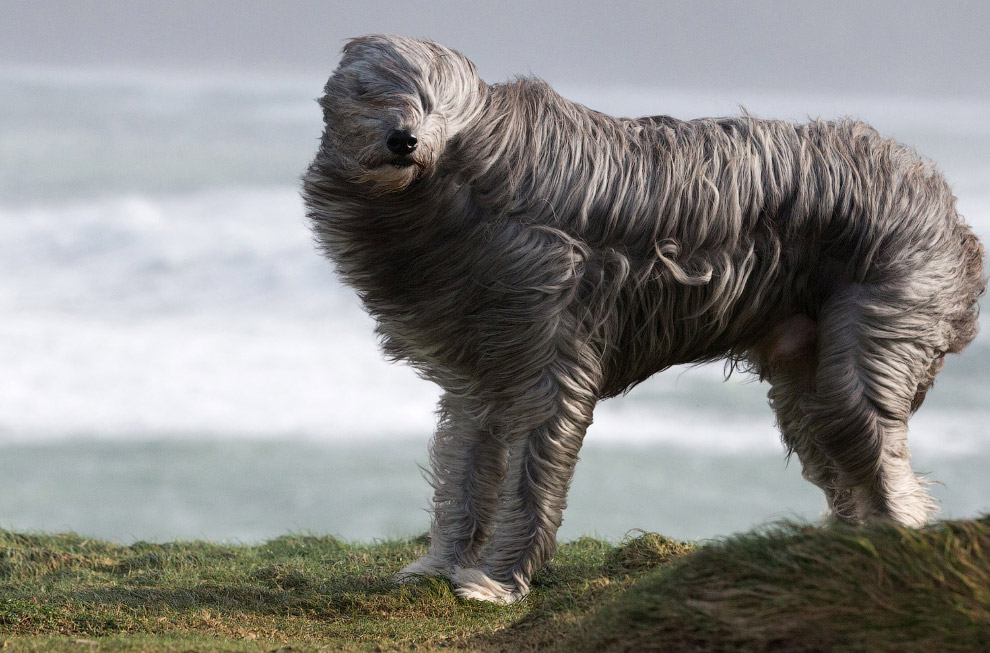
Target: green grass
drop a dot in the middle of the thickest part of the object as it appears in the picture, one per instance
(788, 587)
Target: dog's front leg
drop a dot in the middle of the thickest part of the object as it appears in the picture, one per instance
(467, 465)
(545, 428)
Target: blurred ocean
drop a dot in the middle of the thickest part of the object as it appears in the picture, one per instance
(176, 361)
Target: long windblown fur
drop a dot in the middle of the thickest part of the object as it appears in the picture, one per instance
(532, 256)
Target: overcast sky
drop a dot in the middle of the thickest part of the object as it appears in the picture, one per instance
(922, 47)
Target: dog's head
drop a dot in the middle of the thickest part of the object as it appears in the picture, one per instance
(391, 107)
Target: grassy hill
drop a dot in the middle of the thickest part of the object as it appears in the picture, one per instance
(784, 588)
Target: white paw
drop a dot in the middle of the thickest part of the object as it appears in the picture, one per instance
(479, 586)
(425, 566)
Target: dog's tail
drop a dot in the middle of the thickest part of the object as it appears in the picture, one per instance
(965, 323)
(963, 318)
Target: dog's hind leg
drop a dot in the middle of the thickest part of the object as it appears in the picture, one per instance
(467, 465)
(788, 360)
(545, 425)
(872, 358)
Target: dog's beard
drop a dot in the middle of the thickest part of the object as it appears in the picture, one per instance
(390, 177)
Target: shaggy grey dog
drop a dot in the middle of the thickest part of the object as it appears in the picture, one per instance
(531, 257)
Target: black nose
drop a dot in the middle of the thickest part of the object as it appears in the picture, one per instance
(401, 141)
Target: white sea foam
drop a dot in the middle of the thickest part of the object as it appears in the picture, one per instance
(202, 376)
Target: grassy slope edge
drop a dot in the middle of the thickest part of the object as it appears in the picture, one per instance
(787, 587)
(796, 588)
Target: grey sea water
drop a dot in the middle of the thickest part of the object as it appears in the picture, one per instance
(176, 361)
(249, 490)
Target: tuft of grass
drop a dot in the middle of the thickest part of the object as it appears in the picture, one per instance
(795, 587)
(646, 551)
(785, 588)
